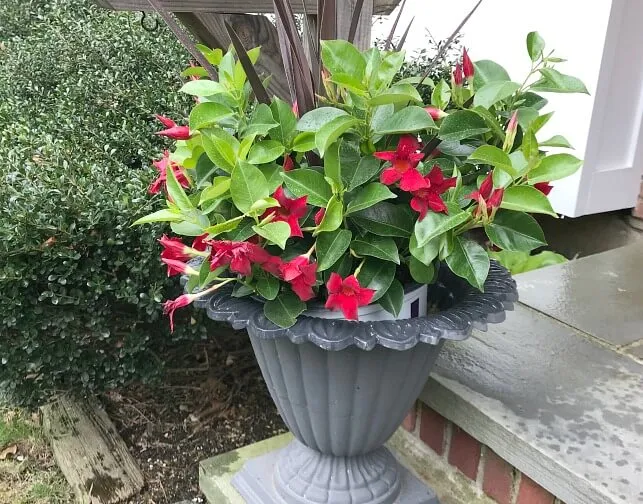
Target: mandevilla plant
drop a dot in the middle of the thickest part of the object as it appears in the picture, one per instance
(368, 190)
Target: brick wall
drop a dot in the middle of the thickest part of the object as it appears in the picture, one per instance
(486, 470)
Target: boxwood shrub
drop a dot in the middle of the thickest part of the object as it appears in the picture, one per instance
(80, 288)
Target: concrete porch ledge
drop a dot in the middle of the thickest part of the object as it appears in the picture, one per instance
(556, 391)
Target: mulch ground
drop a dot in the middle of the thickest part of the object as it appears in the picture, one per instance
(212, 400)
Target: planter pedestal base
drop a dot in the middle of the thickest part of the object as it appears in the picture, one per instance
(247, 476)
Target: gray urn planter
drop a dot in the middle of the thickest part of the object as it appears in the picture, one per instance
(344, 387)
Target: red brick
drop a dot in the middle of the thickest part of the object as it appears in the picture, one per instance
(498, 478)
(464, 453)
(409, 420)
(531, 492)
(432, 429)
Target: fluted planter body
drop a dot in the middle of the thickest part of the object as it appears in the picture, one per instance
(344, 387)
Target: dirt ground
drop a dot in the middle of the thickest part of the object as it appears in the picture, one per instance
(212, 400)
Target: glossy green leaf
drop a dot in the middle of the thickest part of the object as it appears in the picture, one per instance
(489, 154)
(330, 247)
(357, 171)
(247, 185)
(332, 164)
(529, 145)
(553, 81)
(407, 120)
(377, 275)
(540, 121)
(493, 92)
(268, 287)
(376, 246)
(462, 124)
(393, 299)
(389, 66)
(535, 45)
(398, 93)
(554, 167)
(332, 217)
(515, 231)
(491, 121)
(469, 260)
(176, 193)
(221, 148)
(385, 219)
(342, 57)
(304, 142)
(265, 152)
(272, 172)
(427, 253)
(441, 95)
(420, 272)
(261, 122)
(220, 186)
(310, 183)
(488, 71)
(368, 196)
(208, 114)
(557, 141)
(435, 224)
(163, 215)
(319, 117)
(224, 227)
(275, 232)
(284, 309)
(203, 87)
(330, 132)
(286, 121)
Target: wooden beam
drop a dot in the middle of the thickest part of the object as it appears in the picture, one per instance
(344, 16)
(90, 453)
(230, 6)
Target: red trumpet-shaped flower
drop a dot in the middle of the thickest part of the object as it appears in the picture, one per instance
(201, 242)
(301, 274)
(488, 198)
(176, 267)
(319, 216)
(458, 75)
(289, 164)
(175, 249)
(404, 161)
(467, 65)
(544, 187)
(435, 112)
(162, 165)
(290, 211)
(347, 295)
(172, 130)
(170, 306)
(240, 256)
(429, 198)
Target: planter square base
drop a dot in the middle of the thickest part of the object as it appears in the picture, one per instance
(244, 476)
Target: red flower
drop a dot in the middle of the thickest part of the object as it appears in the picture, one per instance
(435, 112)
(295, 109)
(429, 197)
(172, 130)
(404, 161)
(544, 187)
(289, 164)
(200, 243)
(161, 165)
(347, 295)
(272, 265)
(487, 197)
(174, 248)
(301, 274)
(319, 216)
(176, 267)
(239, 255)
(170, 306)
(467, 65)
(290, 211)
(458, 76)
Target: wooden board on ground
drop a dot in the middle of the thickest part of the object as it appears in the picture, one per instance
(90, 453)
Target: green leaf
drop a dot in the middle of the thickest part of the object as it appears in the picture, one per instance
(376, 246)
(208, 114)
(491, 121)
(319, 117)
(261, 121)
(515, 231)
(441, 95)
(332, 164)
(330, 247)
(247, 185)
(535, 45)
(305, 182)
(186, 228)
(224, 227)
(332, 217)
(526, 116)
(557, 141)
(265, 152)
(203, 87)
(381, 114)
(393, 300)
(427, 253)
(349, 82)
(420, 272)
(554, 167)
(540, 121)
(407, 120)
(268, 287)
(331, 131)
(435, 223)
(368, 196)
(529, 145)
(275, 232)
(304, 142)
(489, 154)
(286, 121)
(284, 309)
(488, 71)
(398, 93)
(553, 81)
(272, 172)
(357, 171)
(389, 65)
(342, 57)
(493, 92)
(377, 275)
(220, 186)
(470, 261)
(260, 206)
(462, 124)
(164, 215)
(221, 148)
(176, 193)
(385, 219)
